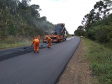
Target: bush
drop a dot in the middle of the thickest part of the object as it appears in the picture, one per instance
(100, 61)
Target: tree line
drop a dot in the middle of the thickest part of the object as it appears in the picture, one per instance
(19, 19)
(97, 25)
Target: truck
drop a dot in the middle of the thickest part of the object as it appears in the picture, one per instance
(58, 34)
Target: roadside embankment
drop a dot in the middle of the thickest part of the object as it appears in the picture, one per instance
(13, 42)
(90, 64)
(100, 59)
(78, 70)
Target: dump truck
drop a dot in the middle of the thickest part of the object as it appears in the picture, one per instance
(58, 34)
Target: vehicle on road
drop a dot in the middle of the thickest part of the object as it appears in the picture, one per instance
(58, 34)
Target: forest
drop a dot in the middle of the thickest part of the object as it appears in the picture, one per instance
(97, 24)
(19, 20)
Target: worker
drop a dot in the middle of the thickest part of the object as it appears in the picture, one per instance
(36, 44)
(38, 37)
(49, 40)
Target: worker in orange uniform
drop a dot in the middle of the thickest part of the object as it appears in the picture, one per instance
(38, 37)
(49, 40)
(36, 44)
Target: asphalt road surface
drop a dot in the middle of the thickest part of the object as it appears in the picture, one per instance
(44, 67)
(9, 53)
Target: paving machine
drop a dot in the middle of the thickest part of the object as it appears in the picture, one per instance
(58, 34)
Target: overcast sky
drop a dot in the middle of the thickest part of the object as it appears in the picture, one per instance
(70, 12)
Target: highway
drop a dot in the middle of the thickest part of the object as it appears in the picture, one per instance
(44, 67)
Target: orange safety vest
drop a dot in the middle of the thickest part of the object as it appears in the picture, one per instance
(35, 41)
(49, 39)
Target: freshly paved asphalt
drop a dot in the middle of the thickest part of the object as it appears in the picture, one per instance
(38, 68)
(9, 53)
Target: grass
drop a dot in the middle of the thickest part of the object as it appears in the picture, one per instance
(12, 42)
(68, 35)
(100, 59)
(13, 45)
(5, 45)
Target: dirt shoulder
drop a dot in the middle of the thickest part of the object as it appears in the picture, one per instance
(77, 70)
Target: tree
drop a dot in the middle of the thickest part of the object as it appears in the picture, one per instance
(20, 19)
(80, 31)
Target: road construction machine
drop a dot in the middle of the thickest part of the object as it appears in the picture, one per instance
(58, 34)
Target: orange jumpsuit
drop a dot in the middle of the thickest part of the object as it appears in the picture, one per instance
(36, 44)
(49, 41)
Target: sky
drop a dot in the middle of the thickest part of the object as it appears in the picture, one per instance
(69, 12)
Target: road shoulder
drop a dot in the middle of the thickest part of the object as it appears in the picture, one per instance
(78, 70)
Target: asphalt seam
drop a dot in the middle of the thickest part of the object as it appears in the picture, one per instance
(27, 49)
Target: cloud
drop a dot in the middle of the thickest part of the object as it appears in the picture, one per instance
(55, 0)
(59, 0)
(70, 12)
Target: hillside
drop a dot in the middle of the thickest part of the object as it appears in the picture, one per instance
(19, 21)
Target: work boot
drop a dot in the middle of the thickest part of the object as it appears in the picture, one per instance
(37, 51)
(48, 47)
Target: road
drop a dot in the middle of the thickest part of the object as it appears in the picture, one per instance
(38, 68)
(9, 53)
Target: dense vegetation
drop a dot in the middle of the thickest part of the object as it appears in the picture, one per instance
(100, 59)
(20, 20)
(97, 25)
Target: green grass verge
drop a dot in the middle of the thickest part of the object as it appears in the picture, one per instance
(12, 42)
(100, 59)
(4, 45)
(13, 45)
